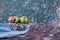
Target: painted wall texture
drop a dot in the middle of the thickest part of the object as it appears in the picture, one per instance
(38, 11)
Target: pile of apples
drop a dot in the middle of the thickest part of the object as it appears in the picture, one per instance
(16, 19)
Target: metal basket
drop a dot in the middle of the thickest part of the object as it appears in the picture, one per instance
(12, 29)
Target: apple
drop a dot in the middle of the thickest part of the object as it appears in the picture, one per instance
(11, 19)
(17, 20)
(24, 19)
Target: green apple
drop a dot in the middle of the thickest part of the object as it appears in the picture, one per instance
(24, 19)
(17, 19)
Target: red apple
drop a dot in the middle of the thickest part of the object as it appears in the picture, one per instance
(11, 19)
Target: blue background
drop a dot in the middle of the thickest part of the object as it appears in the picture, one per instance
(38, 11)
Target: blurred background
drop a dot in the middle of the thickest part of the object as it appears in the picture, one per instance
(38, 11)
(46, 12)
